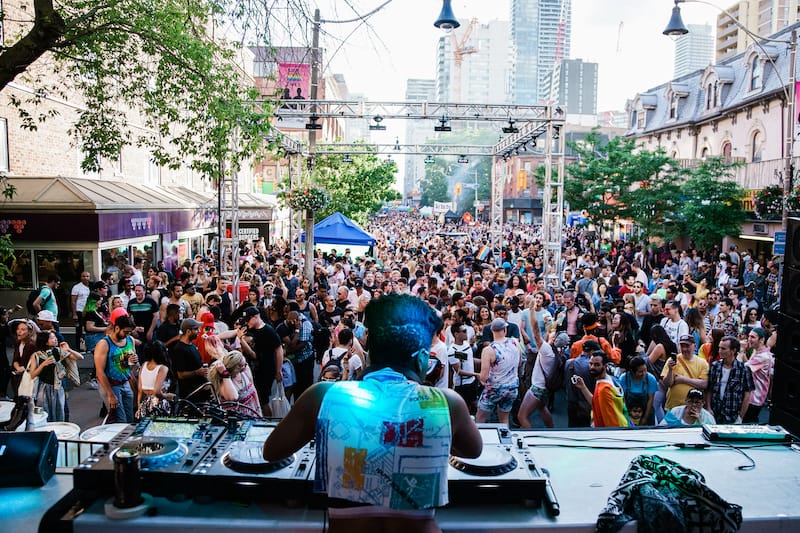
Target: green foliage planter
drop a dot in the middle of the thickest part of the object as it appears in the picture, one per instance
(306, 197)
(768, 202)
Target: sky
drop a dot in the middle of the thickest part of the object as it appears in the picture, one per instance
(623, 36)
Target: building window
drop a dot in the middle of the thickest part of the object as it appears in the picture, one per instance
(641, 119)
(727, 152)
(756, 150)
(755, 74)
(704, 154)
(673, 106)
(712, 95)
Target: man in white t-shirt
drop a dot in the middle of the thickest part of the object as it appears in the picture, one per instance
(78, 296)
(344, 356)
(674, 325)
(462, 362)
(439, 351)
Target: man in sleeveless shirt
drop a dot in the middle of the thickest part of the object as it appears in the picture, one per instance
(114, 358)
(383, 443)
(499, 374)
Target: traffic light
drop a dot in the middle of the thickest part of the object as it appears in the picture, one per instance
(458, 188)
(522, 179)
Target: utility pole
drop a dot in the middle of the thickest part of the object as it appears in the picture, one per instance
(475, 205)
(308, 267)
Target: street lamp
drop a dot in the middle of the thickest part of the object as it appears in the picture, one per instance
(447, 20)
(676, 28)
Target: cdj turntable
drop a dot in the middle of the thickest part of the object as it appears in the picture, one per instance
(167, 447)
(236, 463)
(191, 457)
(505, 472)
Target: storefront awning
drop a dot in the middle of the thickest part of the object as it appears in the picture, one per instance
(71, 195)
(93, 210)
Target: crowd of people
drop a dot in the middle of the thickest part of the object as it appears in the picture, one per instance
(633, 334)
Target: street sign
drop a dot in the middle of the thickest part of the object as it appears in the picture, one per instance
(779, 244)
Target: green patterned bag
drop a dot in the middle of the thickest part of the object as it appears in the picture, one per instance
(662, 495)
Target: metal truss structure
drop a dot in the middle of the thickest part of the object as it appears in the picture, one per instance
(408, 110)
(476, 150)
(525, 124)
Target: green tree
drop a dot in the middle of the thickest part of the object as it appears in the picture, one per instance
(467, 198)
(710, 206)
(158, 59)
(358, 189)
(617, 180)
(434, 186)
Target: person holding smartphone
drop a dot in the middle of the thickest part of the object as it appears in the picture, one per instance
(683, 372)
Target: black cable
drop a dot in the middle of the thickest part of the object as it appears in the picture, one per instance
(725, 445)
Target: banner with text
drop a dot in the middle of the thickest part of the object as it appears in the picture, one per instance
(442, 207)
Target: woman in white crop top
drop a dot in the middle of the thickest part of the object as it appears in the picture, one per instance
(153, 381)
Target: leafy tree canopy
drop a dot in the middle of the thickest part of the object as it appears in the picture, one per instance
(160, 60)
(357, 189)
(618, 180)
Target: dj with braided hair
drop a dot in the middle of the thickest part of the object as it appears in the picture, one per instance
(383, 443)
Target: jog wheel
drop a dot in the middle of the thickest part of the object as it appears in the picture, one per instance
(248, 459)
(155, 453)
(492, 462)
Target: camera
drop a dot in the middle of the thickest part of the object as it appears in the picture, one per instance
(574, 380)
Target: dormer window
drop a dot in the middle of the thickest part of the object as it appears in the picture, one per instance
(673, 106)
(756, 72)
(712, 95)
(641, 105)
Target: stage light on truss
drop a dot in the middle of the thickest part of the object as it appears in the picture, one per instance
(510, 128)
(347, 158)
(443, 126)
(377, 126)
(463, 159)
(429, 160)
(312, 123)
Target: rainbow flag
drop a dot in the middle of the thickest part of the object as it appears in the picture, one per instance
(483, 253)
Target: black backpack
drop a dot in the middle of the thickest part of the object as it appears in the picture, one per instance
(555, 380)
(320, 339)
(32, 298)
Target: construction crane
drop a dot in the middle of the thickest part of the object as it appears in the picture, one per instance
(460, 49)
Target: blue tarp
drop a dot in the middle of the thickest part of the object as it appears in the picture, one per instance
(338, 229)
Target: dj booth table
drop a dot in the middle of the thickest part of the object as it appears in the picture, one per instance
(584, 466)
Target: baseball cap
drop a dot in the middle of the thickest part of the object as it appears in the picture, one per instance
(498, 324)
(46, 316)
(190, 323)
(97, 285)
(686, 339)
(519, 292)
(116, 313)
(562, 340)
(251, 312)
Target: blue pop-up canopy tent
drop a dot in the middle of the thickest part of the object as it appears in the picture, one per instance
(337, 229)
